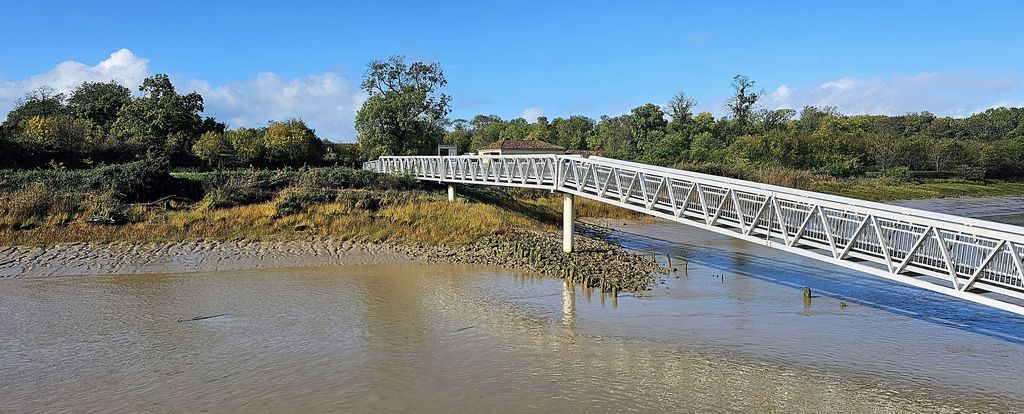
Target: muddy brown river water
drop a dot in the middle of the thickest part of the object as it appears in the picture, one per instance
(730, 333)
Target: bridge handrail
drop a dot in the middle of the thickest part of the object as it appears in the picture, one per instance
(893, 242)
(946, 221)
(876, 208)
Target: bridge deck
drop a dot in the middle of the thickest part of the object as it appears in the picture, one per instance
(971, 259)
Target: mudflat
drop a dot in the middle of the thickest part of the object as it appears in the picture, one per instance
(83, 259)
(595, 263)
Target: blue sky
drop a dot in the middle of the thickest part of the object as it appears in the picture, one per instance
(256, 61)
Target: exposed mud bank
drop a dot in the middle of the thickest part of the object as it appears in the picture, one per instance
(595, 263)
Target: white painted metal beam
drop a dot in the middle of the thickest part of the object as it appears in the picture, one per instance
(971, 259)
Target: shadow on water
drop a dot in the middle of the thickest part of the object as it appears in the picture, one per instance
(833, 281)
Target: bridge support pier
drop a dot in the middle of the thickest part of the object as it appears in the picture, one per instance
(568, 221)
(451, 193)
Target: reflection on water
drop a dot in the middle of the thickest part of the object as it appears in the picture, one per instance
(731, 333)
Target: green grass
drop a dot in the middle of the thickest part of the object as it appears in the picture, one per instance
(34, 217)
(112, 204)
(865, 188)
(880, 190)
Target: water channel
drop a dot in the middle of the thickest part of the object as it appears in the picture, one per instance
(728, 332)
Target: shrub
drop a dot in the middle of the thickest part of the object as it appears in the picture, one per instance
(346, 178)
(785, 177)
(35, 204)
(930, 175)
(969, 173)
(843, 168)
(134, 181)
(360, 200)
(108, 209)
(237, 191)
(774, 175)
(294, 201)
(896, 175)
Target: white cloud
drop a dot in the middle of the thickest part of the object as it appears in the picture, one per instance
(942, 93)
(532, 113)
(781, 93)
(122, 66)
(327, 102)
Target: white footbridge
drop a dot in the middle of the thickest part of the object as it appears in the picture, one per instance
(971, 259)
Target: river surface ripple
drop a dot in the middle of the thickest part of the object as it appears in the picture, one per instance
(728, 332)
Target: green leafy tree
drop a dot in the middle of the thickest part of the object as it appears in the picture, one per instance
(773, 119)
(708, 148)
(886, 151)
(292, 143)
(485, 129)
(614, 136)
(405, 112)
(811, 118)
(43, 102)
(541, 130)
(573, 133)
(99, 102)
(947, 154)
(647, 123)
(152, 119)
(348, 154)
(741, 104)
(671, 149)
(517, 129)
(246, 145)
(460, 138)
(213, 148)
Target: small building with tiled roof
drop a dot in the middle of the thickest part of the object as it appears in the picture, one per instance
(520, 147)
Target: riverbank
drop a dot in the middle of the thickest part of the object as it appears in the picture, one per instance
(596, 263)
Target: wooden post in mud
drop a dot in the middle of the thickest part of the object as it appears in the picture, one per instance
(451, 193)
(568, 218)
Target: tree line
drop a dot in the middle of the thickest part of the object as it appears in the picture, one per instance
(103, 123)
(989, 144)
(406, 113)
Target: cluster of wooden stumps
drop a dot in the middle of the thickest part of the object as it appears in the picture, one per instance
(572, 276)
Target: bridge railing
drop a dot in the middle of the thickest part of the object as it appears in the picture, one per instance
(972, 259)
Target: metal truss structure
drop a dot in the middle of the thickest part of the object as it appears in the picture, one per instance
(967, 258)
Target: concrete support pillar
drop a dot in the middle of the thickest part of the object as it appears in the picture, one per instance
(451, 193)
(568, 221)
